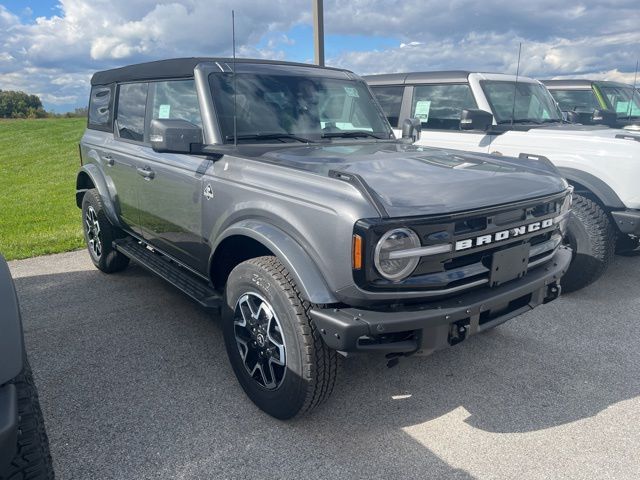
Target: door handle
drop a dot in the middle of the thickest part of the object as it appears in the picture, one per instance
(109, 159)
(146, 172)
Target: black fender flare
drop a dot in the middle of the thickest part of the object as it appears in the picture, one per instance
(301, 266)
(11, 340)
(600, 189)
(102, 185)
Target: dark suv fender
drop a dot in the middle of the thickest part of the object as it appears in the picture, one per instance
(11, 344)
(600, 189)
(303, 269)
(100, 182)
(11, 364)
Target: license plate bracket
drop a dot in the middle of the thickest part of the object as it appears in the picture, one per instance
(509, 264)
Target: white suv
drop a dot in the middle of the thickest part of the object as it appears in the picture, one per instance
(477, 112)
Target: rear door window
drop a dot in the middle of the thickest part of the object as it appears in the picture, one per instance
(439, 106)
(132, 108)
(390, 99)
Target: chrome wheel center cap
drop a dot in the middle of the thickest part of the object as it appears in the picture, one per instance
(261, 340)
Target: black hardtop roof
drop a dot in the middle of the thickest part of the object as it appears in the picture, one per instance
(182, 67)
(448, 76)
(581, 83)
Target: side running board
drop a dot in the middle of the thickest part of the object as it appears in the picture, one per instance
(177, 276)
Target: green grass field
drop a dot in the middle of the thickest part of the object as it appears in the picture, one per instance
(38, 165)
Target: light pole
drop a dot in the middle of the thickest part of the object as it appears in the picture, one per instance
(318, 32)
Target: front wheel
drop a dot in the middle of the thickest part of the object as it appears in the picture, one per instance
(277, 354)
(592, 239)
(32, 460)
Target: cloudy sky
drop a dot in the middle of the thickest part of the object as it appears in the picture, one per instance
(51, 47)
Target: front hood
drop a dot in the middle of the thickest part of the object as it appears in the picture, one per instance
(569, 132)
(412, 180)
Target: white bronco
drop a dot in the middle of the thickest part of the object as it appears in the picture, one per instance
(477, 112)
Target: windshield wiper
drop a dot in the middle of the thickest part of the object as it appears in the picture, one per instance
(351, 134)
(269, 136)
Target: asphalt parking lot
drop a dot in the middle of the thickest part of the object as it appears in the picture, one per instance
(135, 384)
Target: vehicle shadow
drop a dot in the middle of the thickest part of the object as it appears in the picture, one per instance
(134, 380)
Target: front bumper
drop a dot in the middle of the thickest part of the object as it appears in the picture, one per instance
(8, 425)
(432, 326)
(627, 221)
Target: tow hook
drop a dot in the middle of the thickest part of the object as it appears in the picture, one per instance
(394, 358)
(458, 332)
(553, 292)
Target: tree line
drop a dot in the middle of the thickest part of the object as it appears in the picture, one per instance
(22, 105)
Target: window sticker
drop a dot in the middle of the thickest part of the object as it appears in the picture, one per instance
(352, 92)
(275, 97)
(164, 111)
(422, 110)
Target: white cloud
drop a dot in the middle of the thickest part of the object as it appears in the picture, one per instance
(589, 56)
(55, 56)
(64, 50)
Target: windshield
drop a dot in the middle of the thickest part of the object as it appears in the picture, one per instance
(284, 108)
(623, 100)
(534, 103)
(576, 100)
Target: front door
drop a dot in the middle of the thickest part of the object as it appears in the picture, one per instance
(172, 190)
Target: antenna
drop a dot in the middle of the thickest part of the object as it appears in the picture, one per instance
(633, 92)
(235, 108)
(515, 86)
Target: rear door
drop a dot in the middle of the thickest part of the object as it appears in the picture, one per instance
(127, 150)
(171, 198)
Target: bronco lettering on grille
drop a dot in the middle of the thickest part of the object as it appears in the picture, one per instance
(503, 234)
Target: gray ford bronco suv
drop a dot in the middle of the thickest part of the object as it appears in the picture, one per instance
(277, 193)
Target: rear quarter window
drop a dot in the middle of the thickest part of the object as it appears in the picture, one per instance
(101, 108)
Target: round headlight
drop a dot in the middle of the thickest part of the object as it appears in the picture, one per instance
(398, 268)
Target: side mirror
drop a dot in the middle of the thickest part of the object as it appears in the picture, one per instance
(174, 135)
(604, 117)
(571, 116)
(411, 128)
(472, 119)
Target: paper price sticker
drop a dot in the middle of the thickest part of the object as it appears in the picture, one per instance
(422, 110)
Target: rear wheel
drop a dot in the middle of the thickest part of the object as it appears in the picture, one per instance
(277, 354)
(593, 240)
(99, 235)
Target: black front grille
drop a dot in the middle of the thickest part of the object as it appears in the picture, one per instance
(466, 268)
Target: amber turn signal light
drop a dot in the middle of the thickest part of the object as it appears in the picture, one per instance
(356, 260)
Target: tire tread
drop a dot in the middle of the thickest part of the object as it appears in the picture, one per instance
(321, 362)
(603, 240)
(33, 459)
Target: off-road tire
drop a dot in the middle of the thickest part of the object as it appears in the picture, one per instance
(311, 366)
(110, 260)
(32, 460)
(593, 240)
